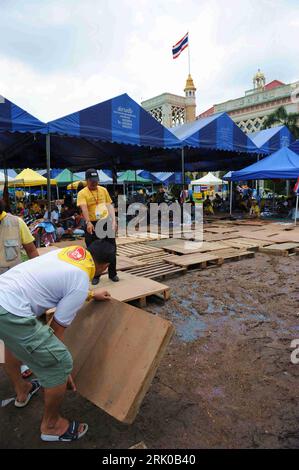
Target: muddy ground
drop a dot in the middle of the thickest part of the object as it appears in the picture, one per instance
(227, 380)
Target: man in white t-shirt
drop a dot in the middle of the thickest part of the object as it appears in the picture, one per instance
(57, 279)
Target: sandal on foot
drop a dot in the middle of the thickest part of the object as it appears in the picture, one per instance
(71, 434)
(35, 388)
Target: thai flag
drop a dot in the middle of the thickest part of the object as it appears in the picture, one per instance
(296, 187)
(180, 46)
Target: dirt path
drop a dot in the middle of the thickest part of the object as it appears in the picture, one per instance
(227, 379)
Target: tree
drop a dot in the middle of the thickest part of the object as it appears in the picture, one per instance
(281, 117)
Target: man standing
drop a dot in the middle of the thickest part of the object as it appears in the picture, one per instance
(14, 234)
(96, 205)
(57, 279)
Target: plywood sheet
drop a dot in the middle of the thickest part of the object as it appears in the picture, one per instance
(132, 287)
(194, 259)
(116, 349)
(185, 248)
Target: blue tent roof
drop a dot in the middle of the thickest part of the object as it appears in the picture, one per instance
(170, 178)
(295, 146)
(15, 119)
(272, 139)
(227, 176)
(148, 175)
(283, 164)
(217, 132)
(119, 120)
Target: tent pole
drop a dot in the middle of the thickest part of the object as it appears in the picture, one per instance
(296, 210)
(231, 198)
(48, 153)
(183, 166)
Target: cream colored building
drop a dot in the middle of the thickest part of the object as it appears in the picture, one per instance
(251, 110)
(173, 110)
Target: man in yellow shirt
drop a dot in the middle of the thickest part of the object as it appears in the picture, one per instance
(96, 205)
(14, 234)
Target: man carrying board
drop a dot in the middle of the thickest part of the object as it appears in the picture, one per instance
(57, 279)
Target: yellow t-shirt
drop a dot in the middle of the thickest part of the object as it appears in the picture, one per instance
(26, 236)
(96, 202)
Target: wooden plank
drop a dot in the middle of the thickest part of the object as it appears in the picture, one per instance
(123, 263)
(196, 259)
(219, 230)
(157, 270)
(137, 249)
(132, 287)
(116, 350)
(185, 248)
(282, 249)
(232, 254)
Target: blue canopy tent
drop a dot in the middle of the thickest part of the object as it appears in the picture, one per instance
(18, 130)
(119, 130)
(295, 146)
(170, 178)
(283, 164)
(148, 175)
(271, 140)
(214, 143)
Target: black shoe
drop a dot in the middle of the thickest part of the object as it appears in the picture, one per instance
(115, 278)
(95, 281)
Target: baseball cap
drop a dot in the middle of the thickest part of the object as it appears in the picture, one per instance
(91, 174)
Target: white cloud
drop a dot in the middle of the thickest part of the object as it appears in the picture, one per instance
(63, 56)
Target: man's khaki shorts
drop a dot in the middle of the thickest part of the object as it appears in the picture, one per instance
(35, 345)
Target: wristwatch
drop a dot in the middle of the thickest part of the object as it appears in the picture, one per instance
(90, 295)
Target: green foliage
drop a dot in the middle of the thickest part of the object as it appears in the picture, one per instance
(281, 117)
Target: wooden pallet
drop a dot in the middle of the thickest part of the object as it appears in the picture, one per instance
(124, 263)
(210, 237)
(132, 287)
(245, 244)
(157, 270)
(136, 249)
(282, 249)
(149, 258)
(196, 260)
(186, 248)
(231, 254)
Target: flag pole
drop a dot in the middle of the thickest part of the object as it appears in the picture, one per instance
(189, 54)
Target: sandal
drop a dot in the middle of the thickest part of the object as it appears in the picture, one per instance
(71, 434)
(35, 388)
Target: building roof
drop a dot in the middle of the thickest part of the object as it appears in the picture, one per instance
(269, 86)
(273, 84)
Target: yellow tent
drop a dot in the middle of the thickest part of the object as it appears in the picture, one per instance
(28, 178)
(75, 184)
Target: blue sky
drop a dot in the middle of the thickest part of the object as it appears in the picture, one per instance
(60, 56)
